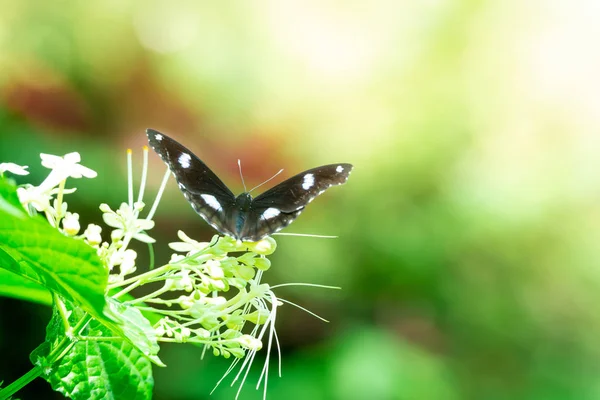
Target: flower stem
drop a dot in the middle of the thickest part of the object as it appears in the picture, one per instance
(140, 279)
(161, 189)
(59, 200)
(129, 179)
(144, 174)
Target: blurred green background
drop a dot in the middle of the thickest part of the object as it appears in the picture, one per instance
(468, 232)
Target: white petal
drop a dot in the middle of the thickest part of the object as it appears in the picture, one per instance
(13, 168)
(65, 191)
(50, 161)
(53, 179)
(144, 224)
(142, 237)
(181, 247)
(181, 235)
(80, 171)
(72, 158)
(111, 219)
(124, 208)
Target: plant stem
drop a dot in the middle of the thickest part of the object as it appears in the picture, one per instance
(57, 353)
(20, 383)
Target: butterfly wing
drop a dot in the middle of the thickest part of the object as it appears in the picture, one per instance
(276, 208)
(207, 194)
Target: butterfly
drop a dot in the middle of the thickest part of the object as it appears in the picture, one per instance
(243, 217)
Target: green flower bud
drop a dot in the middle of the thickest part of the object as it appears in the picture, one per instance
(257, 318)
(237, 352)
(264, 247)
(231, 334)
(247, 258)
(262, 263)
(245, 272)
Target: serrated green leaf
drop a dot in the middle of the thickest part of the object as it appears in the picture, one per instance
(97, 367)
(31, 248)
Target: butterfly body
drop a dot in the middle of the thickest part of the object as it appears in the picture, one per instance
(241, 208)
(243, 217)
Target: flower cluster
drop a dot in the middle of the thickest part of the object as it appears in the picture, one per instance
(48, 196)
(219, 299)
(203, 276)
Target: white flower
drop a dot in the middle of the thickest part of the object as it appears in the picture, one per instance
(71, 223)
(184, 282)
(214, 270)
(183, 334)
(92, 234)
(186, 301)
(124, 259)
(128, 262)
(69, 163)
(63, 168)
(202, 333)
(125, 221)
(160, 330)
(32, 195)
(13, 168)
(249, 342)
(187, 245)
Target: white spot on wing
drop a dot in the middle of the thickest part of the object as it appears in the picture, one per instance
(184, 160)
(270, 213)
(308, 182)
(158, 137)
(211, 201)
(339, 168)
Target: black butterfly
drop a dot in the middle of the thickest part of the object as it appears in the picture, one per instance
(243, 217)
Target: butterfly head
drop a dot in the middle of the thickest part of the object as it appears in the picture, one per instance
(243, 201)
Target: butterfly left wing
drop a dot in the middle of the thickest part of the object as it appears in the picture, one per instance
(276, 208)
(202, 188)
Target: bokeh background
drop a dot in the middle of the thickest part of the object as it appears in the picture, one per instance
(468, 232)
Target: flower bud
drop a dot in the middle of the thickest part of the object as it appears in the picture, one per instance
(128, 262)
(244, 272)
(264, 247)
(237, 352)
(214, 270)
(249, 342)
(257, 318)
(71, 224)
(262, 263)
(92, 234)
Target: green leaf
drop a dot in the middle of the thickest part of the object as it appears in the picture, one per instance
(132, 325)
(99, 367)
(15, 286)
(30, 247)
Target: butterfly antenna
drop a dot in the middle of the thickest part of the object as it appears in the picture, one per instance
(271, 178)
(241, 175)
(305, 235)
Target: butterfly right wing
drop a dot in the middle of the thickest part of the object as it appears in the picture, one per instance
(281, 205)
(202, 188)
